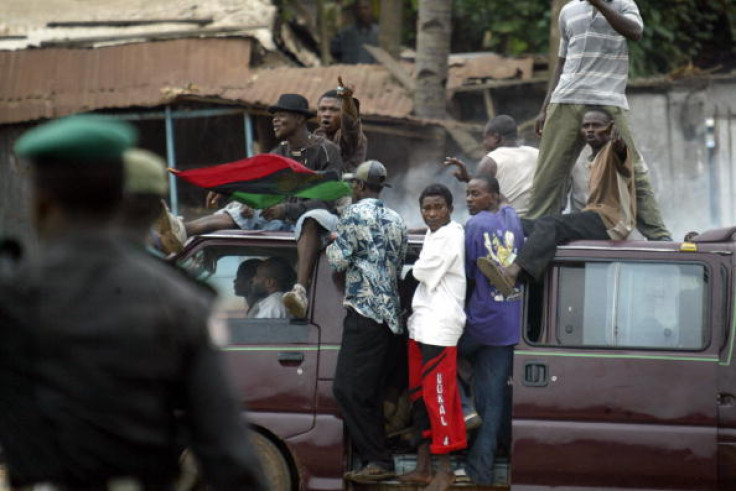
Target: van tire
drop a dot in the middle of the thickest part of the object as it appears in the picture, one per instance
(275, 468)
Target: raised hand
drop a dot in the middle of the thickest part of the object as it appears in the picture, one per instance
(343, 89)
(461, 170)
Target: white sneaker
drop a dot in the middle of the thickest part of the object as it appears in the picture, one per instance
(296, 302)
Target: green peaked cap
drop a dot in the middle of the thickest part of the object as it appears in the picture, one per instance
(83, 137)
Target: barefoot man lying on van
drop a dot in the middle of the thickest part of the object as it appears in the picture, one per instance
(609, 214)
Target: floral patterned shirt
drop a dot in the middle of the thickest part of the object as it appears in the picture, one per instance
(370, 246)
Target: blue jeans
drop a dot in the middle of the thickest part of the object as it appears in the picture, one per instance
(491, 371)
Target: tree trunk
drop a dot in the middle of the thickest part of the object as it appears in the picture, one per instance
(389, 35)
(324, 36)
(554, 32)
(433, 50)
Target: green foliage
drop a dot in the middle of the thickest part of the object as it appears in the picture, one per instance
(511, 27)
(676, 33)
(679, 32)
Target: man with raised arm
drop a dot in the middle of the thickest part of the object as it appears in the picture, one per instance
(592, 69)
(609, 215)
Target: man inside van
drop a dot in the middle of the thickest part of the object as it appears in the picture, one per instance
(273, 277)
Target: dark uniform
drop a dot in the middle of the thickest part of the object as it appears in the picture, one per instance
(104, 350)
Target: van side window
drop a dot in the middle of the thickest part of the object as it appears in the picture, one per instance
(246, 313)
(632, 305)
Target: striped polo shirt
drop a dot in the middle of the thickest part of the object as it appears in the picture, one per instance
(596, 56)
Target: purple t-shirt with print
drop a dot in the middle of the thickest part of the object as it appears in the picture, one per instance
(492, 319)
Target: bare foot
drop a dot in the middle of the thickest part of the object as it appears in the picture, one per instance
(441, 482)
(417, 477)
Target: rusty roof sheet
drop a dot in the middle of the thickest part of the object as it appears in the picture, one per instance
(48, 83)
(53, 82)
(378, 92)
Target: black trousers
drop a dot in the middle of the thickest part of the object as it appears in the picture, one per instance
(546, 233)
(359, 386)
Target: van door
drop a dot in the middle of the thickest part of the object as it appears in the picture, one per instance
(273, 361)
(615, 379)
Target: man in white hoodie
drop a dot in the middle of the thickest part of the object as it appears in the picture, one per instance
(435, 327)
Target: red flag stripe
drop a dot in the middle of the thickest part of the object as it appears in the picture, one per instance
(242, 170)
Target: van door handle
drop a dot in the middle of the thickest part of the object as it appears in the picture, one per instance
(725, 399)
(535, 374)
(291, 357)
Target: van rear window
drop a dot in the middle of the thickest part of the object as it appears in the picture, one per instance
(632, 305)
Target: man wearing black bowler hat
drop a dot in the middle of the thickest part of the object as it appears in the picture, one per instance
(310, 219)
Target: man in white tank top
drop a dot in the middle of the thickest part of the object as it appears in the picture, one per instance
(512, 164)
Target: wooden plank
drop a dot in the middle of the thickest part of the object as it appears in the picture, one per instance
(393, 66)
(488, 101)
(203, 21)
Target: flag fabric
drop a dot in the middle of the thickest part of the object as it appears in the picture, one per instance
(266, 180)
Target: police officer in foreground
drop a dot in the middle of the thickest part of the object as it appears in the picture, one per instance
(102, 345)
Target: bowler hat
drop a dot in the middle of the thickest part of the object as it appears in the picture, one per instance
(293, 103)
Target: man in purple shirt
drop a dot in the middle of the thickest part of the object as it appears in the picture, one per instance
(493, 321)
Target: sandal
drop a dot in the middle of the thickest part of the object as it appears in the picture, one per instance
(495, 275)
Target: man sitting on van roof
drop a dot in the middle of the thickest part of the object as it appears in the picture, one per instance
(609, 214)
(311, 220)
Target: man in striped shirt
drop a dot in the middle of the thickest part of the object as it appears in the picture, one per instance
(592, 70)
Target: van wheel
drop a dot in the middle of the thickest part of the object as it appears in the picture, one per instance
(275, 468)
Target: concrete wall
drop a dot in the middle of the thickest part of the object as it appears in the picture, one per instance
(674, 131)
(15, 214)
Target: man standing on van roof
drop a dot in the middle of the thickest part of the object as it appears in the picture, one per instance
(102, 345)
(609, 213)
(370, 247)
(592, 69)
(493, 233)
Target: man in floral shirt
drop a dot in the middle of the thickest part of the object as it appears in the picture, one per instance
(370, 247)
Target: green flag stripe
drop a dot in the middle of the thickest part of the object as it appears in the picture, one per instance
(327, 191)
(257, 201)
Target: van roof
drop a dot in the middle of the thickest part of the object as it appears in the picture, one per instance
(720, 240)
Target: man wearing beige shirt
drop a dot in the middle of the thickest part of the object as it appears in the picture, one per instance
(610, 213)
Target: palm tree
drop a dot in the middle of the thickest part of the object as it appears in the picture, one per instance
(433, 49)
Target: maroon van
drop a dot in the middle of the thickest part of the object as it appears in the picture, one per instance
(622, 380)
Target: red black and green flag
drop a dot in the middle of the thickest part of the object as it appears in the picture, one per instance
(266, 180)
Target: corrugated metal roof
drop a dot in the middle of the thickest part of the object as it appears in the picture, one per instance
(28, 20)
(52, 82)
(378, 92)
(48, 83)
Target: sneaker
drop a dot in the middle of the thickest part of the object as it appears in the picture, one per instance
(496, 275)
(370, 473)
(296, 302)
(170, 230)
(472, 421)
(462, 477)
